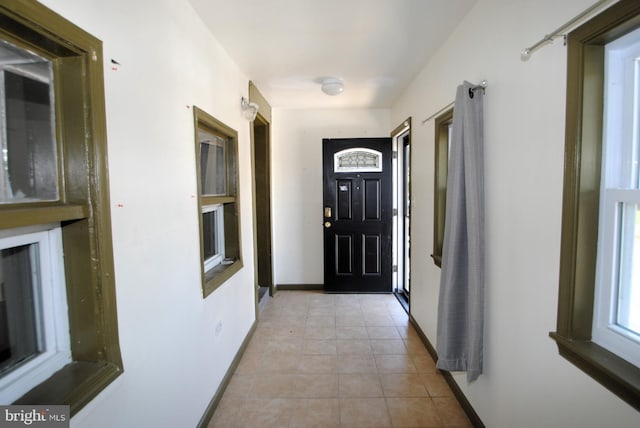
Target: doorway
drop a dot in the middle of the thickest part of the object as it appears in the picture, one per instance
(261, 161)
(262, 186)
(357, 215)
(401, 141)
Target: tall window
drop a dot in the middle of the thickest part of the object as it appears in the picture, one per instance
(617, 299)
(597, 328)
(58, 324)
(216, 154)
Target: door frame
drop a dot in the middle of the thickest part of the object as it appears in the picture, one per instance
(262, 239)
(400, 263)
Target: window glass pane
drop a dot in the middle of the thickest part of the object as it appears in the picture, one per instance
(628, 296)
(359, 159)
(29, 166)
(209, 239)
(18, 320)
(213, 167)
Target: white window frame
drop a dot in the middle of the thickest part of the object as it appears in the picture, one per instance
(619, 192)
(51, 295)
(217, 258)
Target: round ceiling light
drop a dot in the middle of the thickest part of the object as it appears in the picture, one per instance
(332, 86)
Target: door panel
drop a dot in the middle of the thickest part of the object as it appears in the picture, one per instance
(357, 216)
(371, 200)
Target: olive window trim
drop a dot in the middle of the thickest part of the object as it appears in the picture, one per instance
(441, 147)
(215, 277)
(580, 211)
(83, 207)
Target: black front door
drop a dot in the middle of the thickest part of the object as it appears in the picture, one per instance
(357, 215)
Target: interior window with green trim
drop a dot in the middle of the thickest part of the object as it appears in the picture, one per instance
(598, 326)
(443, 124)
(58, 324)
(216, 159)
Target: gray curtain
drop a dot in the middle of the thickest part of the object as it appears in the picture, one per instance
(461, 300)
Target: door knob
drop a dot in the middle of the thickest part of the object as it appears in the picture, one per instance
(327, 224)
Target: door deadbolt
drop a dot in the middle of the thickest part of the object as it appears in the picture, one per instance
(327, 224)
(327, 212)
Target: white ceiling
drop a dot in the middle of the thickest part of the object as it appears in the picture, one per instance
(375, 46)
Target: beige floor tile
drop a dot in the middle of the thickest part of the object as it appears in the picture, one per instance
(451, 414)
(415, 347)
(351, 364)
(319, 347)
(320, 333)
(383, 332)
(354, 347)
(402, 385)
(360, 385)
(355, 332)
(315, 413)
(364, 412)
(290, 331)
(413, 412)
(379, 320)
(435, 384)
(349, 320)
(395, 364)
(249, 364)
(316, 386)
(279, 346)
(240, 385)
(279, 362)
(317, 364)
(407, 331)
(321, 321)
(273, 386)
(228, 413)
(311, 363)
(424, 363)
(388, 346)
(265, 412)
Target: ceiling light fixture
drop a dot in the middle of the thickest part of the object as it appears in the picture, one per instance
(332, 86)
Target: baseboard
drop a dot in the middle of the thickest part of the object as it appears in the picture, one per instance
(457, 392)
(300, 286)
(213, 404)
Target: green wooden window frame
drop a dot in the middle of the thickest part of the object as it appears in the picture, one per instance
(83, 206)
(215, 277)
(441, 148)
(580, 211)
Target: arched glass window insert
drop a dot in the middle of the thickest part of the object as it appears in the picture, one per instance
(357, 159)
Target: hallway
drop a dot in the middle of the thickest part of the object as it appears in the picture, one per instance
(336, 360)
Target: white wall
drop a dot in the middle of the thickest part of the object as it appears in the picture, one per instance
(173, 360)
(525, 382)
(297, 183)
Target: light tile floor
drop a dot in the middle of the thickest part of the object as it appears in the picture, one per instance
(336, 360)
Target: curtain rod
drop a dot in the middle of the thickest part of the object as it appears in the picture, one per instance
(560, 31)
(482, 85)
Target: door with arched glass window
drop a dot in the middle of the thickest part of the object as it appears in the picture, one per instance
(357, 215)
